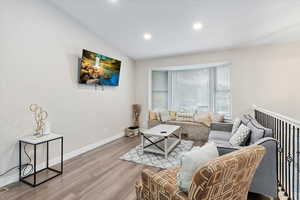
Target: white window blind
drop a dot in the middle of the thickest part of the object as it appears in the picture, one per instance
(160, 90)
(190, 90)
(222, 91)
(202, 90)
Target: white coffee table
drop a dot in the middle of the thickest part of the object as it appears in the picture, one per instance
(162, 139)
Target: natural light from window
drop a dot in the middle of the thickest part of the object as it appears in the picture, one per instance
(193, 90)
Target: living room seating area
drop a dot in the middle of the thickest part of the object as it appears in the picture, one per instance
(209, 129)
(267, 171)
(195, 126)
(149, 100)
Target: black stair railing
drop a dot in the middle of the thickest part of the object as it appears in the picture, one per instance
(286, 132)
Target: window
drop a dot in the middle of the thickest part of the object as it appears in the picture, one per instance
(222, 91)
(190, 90)
(160, 89)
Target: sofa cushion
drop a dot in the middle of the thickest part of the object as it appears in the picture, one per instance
(221, 143)
(192, 160)
(183, 123)
(256, 132)
(204, 118)
(241, 136)
(215, 117)
(164, 116)
(219, 135)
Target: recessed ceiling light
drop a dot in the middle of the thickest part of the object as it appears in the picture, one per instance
(147, 36)
(197, 26)
(113, 1)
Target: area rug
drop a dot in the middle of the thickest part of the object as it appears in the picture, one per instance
(157, 160)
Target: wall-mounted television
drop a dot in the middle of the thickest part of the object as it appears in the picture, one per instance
(97, 69)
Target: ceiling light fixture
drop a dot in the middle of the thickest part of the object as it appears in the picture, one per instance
(147, 36)
(197, 26)
(113, 1)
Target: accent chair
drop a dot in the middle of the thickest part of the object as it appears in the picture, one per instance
(226, 177)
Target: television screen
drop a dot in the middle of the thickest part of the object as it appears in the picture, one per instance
(98, 69)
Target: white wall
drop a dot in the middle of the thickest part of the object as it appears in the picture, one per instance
(39, 50)
(268, 76)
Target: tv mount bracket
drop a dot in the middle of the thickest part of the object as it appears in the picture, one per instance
(101, 85)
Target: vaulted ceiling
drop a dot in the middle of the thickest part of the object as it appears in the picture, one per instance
(226, 24)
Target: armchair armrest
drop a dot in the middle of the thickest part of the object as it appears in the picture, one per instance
(160, 183)
(216, 126)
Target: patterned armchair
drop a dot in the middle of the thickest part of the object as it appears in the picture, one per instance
(227, 177)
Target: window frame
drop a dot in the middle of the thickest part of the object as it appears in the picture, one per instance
(212, 86)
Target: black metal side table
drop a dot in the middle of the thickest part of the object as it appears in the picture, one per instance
(35, 141)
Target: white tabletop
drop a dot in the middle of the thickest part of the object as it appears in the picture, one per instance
(157, 130)
(36, 140)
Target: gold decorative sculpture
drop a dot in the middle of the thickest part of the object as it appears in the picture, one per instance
(39, 116)
(136, 112)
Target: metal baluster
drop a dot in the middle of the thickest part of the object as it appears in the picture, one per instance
(276, 137)
(289, 160)
(298, 170)
(274, 127)
(282, 156)
(257, 115)
(285, 160)
(293, 176)
(279, 153)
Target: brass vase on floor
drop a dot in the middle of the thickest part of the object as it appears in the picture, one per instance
(134, 129)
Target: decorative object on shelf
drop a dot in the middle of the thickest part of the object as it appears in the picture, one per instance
(136, 112)
(40, 116)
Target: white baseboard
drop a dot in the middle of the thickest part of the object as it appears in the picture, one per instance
(6, 180)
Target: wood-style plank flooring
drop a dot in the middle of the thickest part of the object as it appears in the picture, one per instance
(95, 175)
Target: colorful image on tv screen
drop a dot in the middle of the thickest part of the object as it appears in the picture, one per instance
(98, 69)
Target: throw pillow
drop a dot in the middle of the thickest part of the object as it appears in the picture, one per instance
(268, 131)
(152, 115)
(256, 132)
(203, 118)
(236, 124)
(172, 115)
(241, 136)
(185, 116)
(245, 118)
(164, 116)
(192, 160)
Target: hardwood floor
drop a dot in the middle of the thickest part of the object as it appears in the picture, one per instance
(95, 175)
